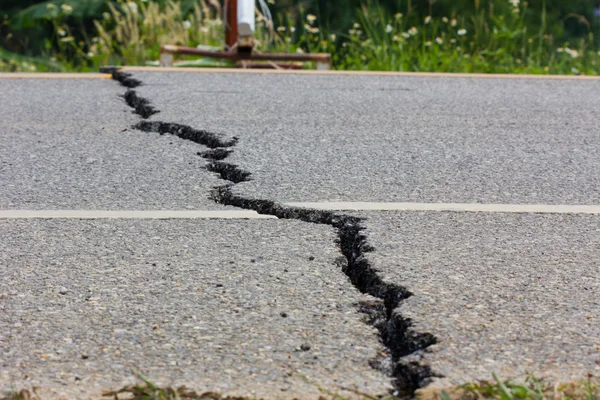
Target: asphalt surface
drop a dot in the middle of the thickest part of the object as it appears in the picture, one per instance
(237, 307)
(67, 144)
(243, 308)
(506, 293)
(402, 139)
(84, 302)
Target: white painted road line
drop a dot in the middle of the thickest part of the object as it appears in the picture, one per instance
(129, 214)
(468, 207)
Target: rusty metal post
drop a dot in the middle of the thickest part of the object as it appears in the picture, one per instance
(323, 60)
(231, 24)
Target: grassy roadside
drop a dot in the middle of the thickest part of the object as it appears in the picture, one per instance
(497, 38)
(495, 389)
(529, 388)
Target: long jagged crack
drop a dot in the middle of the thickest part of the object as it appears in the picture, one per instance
(228, 171)
(395, 331)
(123, 78)
(217, 154)
(140, 105)
(208, 139)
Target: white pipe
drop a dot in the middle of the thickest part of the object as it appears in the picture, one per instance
(245, 17)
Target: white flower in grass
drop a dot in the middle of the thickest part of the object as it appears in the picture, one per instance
(311, 18)
(187, 24)
(67, 9)
(356, 25)
(61, 32)
(389, 28)
(445, 20)
(453, 22)
(572, 52)
(292, 29)
(405, 35)
(575, 71)
(412, 31)
(462, 32)
(439, 40)
(299, 51)
(427, 19)
(398, 15)
(133, 7)
(428, 43)
(281, 29)
(333, 37)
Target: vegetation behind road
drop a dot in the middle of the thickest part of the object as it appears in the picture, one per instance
(501, 36)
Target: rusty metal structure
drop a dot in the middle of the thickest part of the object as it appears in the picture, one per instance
(239, 45)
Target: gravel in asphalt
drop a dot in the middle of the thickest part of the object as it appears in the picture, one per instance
(505, 293)
(250, 308)
(403, 139)
(67, 144)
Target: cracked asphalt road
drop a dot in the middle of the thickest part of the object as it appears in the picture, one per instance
(223, 306)
(400, 139)
(500, 292)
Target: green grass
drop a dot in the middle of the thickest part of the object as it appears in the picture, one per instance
(532, 388)
(498, 37)
(494, 40)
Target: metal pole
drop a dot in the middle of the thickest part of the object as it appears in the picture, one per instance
(246, 25)
(323, 60)
(231, 24)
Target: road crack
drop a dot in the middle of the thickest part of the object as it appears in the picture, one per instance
(396, 332)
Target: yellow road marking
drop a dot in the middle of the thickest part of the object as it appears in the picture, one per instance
(364, 73)
(52, 75)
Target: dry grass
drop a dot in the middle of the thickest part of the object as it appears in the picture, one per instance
(531, 388)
